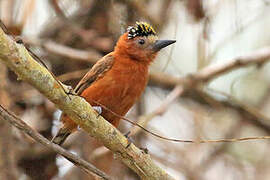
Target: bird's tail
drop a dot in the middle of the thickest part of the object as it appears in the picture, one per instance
(61, 136)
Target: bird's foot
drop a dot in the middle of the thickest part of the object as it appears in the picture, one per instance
(145, 150)
(130, 140)
(70, 91)
(98, 109)
(18, 40)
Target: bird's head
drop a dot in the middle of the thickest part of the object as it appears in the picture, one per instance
(141, 43)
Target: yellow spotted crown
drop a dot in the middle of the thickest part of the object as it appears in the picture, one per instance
(140, 29)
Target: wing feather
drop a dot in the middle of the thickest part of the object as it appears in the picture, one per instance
(97, 71)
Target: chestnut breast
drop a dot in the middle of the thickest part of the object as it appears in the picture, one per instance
(119, 88)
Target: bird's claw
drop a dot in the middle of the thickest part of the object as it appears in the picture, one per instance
(19, 40)
(127, 134)
(70, 91)
(130, 140)
(98, 109)
(145, 150)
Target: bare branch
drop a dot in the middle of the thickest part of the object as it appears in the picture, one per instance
(258, 57)
(18, 123)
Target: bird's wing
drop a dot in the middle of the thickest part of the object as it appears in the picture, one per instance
(97, 71)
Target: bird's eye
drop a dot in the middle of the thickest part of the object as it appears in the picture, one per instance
(141, 41)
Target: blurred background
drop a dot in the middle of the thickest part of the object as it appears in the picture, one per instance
(71, 35)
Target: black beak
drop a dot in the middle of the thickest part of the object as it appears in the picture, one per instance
(159, 44)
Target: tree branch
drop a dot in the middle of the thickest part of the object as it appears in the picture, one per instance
(258, 57)
(18, 123)
(16, 57)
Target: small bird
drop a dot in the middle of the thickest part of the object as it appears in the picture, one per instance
(118, 79)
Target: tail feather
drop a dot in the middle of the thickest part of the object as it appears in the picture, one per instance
(61, 136)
